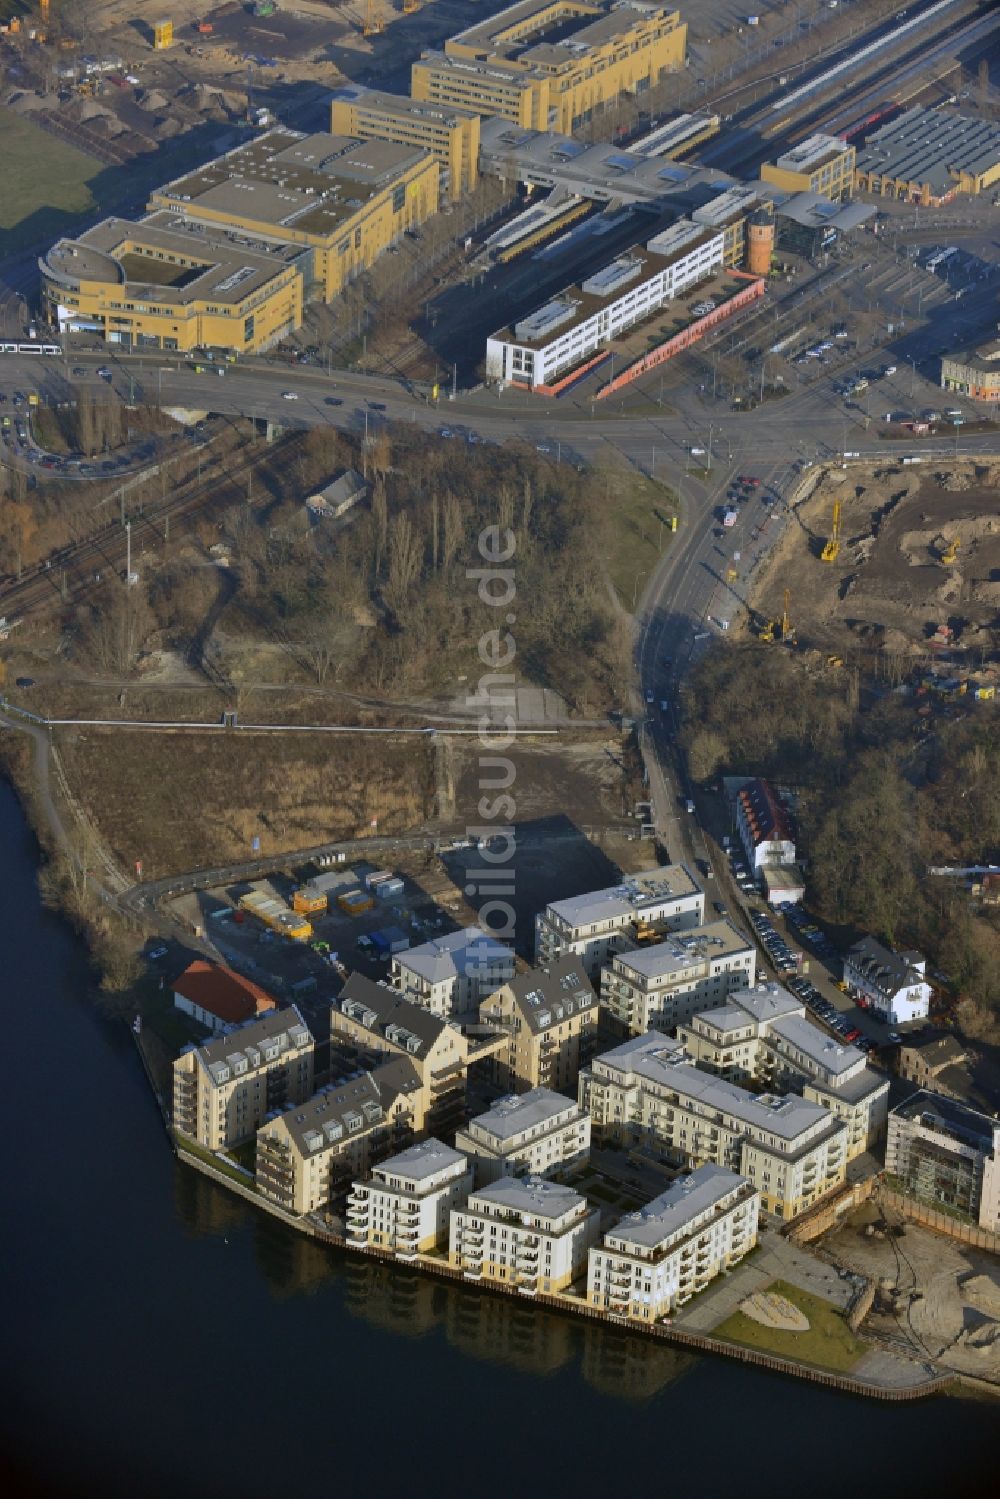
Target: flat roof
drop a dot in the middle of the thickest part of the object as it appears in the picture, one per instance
(931, 146)
(288, 180)
(667, 1216)
(811, 153)
(220, 269)
(563, 34)
(455, 955)
(530, 1195)
(420, 1161)
(787, 1116)
(767, 1002)
(401, 106)
(631, 899)
(681, 950)
(836, 1057)
(518, 1112)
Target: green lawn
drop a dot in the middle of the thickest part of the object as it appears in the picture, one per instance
(829, 1342)
(633, 534)
(213, 1160)
(44, 179)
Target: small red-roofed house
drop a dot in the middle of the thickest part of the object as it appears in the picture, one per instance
(218, 997)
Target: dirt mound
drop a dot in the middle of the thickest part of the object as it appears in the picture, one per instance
(982, 1292)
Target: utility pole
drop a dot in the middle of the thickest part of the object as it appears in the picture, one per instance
(454, 381)
(128, 553)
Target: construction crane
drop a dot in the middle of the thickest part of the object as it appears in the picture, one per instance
(831, 551)
(787, 628)
(950, 553)
(373, 23)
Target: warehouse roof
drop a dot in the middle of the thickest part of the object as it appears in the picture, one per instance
(932, 146)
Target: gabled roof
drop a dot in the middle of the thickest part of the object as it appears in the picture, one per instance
(221, 992)
(379, 1009)
(455, 955)
(546, 996)
(766, 817)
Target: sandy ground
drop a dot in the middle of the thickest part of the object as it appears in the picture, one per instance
(889, 589)
(938, 1297)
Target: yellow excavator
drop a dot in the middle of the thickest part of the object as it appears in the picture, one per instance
(831, 551)
(373, 23)
(950, 553)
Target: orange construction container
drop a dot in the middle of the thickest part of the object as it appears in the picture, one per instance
(355, 901)
(307, 902)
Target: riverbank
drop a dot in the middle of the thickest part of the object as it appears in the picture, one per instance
(570, 1303)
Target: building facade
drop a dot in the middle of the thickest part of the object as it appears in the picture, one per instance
(648, 1091)
(892, 985)
(551, 64)
(529, 1234)
(761, 1038)
(309, 1154)
(406, 1205)
(822, 164)
(451, 975)
(654, 987)
(603, 922)
(217, 997)
(374, 1021)
(549, 1018)
(764, 826)
(342, 201)
(224, 1090)
(451, 135)
(161, 284)
(929, 156)
(537, 1133)
(656, 1259)
(570, 328)
(948, 1155)
(974, 373)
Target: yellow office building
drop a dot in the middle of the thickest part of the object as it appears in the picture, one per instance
(166, 284)
(822, 164)
(342, 199)
(549, 64)
(451, 135)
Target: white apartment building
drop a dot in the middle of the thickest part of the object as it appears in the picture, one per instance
(406, 1206)
(893, 985)
(451, 974)
(649, 1091)
(761, 1036)
(607, 921)
(527, 1134)
(656, 986)
(572, 326)
(765, 828)
(656, 1259)
(224, 1090)
(527, 1233)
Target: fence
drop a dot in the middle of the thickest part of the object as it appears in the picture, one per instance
(941, 1223)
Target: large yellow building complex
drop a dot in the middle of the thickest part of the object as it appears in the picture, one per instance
(549, 64)
(228, 255)
(822, 164)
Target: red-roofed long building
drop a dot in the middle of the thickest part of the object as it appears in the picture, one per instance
(765, 827)
(217, 997)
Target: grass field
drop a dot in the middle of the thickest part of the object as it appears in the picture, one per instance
(828, 1343)
(44, 180)
(634, 533)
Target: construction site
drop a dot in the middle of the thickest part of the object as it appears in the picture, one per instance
(896, 569)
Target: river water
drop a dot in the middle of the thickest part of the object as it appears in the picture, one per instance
(163, 1338)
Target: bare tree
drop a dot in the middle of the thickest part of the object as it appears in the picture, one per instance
(405, 558)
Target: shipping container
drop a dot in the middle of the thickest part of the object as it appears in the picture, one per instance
(354, 902)
(376, 877)
(389, 889)
(309, 901)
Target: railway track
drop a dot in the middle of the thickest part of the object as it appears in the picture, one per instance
(79, 568)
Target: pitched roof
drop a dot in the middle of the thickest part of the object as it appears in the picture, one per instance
(221, 992)
(546, 996)
(766, 817)
(380, 1009)
(456, 954)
